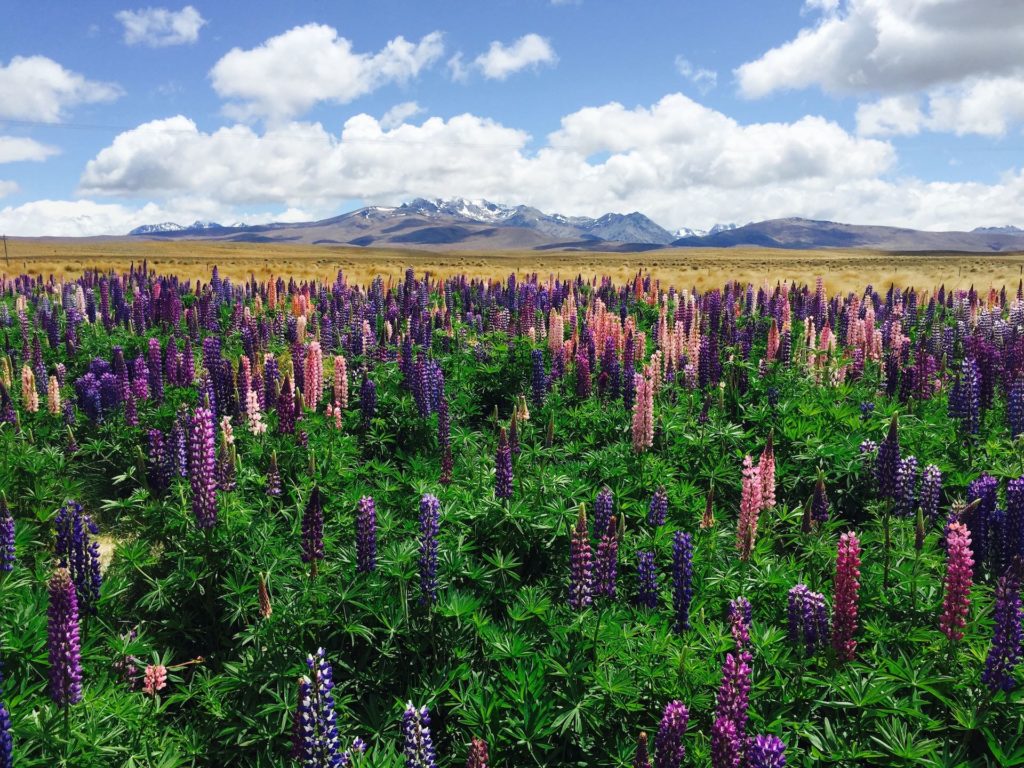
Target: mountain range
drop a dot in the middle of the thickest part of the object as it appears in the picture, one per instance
(479, 224)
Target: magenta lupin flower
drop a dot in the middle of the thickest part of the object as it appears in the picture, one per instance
(63, 642)
(726, 749)
(580, 587)
(959, 565)
(766, 471)
(477, 757)
(846, 600)
(202, 465)
(668, 742)
(766, 752)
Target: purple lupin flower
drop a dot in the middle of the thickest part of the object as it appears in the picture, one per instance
(8, 551)
(430, 523)
(444, 438)
(63, 643)
(906, 487)
(604, 505)
(273, 477)
(668, 742)
(1006, 651)
(740, 615)
(313, 531)
(79, 552)
(808, 619)
(538, 379)
(931, 492)
(367, 400)
(766, 752)
(580, 587)
(286, 408)
(1015, 407)
(965, 398)
(682, 580)
(158, 461)
(819, 503)
(315, 740)
(726, 744)
(657, 510)
(887, 461)
(503, 468)
(647, 580)
(606, 567)
(418, 745)
(202, 467)
(366, 535)
(6, 739)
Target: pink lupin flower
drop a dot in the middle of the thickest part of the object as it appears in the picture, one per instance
(314, 375)
(28, 390)
(53, 396)
(751, 500)
(959, 565)
(643, 414)
(766, 469)
(155, 679)
(844, 608)
(340, 381)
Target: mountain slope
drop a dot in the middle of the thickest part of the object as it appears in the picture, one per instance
(800, 234)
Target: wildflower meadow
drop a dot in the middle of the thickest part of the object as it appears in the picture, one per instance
(532, 521)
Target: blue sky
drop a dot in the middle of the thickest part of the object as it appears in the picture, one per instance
(904, 112)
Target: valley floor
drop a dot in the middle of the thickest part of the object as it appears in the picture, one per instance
(681, 267)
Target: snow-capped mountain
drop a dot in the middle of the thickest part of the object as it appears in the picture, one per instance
(1008, 229)
(169, 226)
(689, 232)
(152, 229)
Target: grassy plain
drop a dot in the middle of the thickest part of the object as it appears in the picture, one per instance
(696, 267)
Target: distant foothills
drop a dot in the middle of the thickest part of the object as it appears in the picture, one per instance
(482, 225)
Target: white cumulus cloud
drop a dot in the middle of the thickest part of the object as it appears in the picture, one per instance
(15, 149)
(399, 113)
(160, 27)
(964, 59)
(500, 60)
(38, 88)
(288, 74)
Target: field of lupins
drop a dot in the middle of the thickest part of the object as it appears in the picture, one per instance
(532, 522)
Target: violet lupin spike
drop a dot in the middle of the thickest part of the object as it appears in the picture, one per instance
(8, 551)
(202, 464)
(366, 535)
(418, 745)
(1006, 650)
(273, 477)
(766, 752)
(682, 580)
(63, 642)
(313, 532)
(503, 468)
(647, 580)
(657, 510)
(668, 742)
(580, 586)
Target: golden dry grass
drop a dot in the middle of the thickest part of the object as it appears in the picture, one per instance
(699, 267)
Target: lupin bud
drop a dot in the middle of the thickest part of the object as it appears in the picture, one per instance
(919, 530)
(549, 438)
(264, 597)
